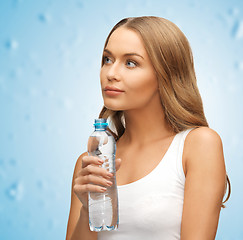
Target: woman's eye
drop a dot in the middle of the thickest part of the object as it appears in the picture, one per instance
(107, 60)
(131, 64)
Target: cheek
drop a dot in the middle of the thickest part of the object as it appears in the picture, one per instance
(101, 75)
(145, 84)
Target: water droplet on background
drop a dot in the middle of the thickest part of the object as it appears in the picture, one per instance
(16, 73)
(40, 184)
(39, 72)
(11, 44)
(52, 223)
(13, 162)
(239, 66)
(44, 127)
(233, 11)
(48, 93)
(68, 103)
(80, 4)
(237, 30)
(15, 191)
(27, 117)
(44, 17)
(17, 2)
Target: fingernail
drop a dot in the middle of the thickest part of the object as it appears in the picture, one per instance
(100, 161)
(103, 189)
(109, 175)
(109, 183)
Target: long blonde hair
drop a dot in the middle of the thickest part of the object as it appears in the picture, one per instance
(172, 59)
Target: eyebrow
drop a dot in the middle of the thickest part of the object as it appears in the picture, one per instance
(126, 54)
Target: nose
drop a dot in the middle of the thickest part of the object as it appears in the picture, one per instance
(113, 74)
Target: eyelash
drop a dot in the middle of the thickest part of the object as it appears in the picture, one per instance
(133, 62)
(106, 58)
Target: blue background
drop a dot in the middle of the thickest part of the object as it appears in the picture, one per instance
(50, 54)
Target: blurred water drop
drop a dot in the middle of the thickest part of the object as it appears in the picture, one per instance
(16, 73)
(15, 191)
(233, 11)
(68, 103)
(239, 65)
(80, 4)
(17, 2)
(40, 184)
(65, 21)
(44, 127)
(11, 136)
(39, 72)
(237, 30)
(27, 117)
(44, 17)
(48, 93)
(50, 224)
(13, 162)
(11, 44)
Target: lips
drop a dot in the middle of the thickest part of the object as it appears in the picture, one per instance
(112, 91)
(109, 88)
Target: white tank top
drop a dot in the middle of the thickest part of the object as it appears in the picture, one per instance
(151, 207)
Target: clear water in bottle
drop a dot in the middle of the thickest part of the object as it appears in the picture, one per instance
(103, 207)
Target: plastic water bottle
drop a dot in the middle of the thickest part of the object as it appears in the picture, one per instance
(103, 207)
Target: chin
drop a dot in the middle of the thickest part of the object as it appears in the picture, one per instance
(113, 107)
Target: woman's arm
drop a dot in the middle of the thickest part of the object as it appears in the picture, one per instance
(88, 176)
(204, 186)
(78, 222)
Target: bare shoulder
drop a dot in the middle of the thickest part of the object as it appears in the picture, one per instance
(204, 184)
(204, 135)
(203, 146)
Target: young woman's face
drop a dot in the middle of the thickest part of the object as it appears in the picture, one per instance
(128, 79)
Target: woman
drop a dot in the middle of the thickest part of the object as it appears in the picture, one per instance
(172, 178)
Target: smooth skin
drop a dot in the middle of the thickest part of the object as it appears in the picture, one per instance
(128, 67)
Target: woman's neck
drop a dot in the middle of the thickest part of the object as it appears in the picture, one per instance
(145, 125)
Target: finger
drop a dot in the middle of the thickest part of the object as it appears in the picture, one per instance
(118, 163)
(95, 170)
(86, 160)
(80, 189)
(93, 180)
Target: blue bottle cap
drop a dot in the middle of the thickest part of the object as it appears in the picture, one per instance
(101, 122)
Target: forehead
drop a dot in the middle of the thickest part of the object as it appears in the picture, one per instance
(126, 40)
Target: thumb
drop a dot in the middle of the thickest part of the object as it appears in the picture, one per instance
(118, 163)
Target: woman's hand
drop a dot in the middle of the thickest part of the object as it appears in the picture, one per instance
(92, 178)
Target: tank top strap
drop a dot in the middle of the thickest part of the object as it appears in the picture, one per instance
(181, 140)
